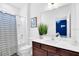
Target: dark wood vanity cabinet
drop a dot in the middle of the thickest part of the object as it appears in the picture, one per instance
(37, 51)
(46, 50)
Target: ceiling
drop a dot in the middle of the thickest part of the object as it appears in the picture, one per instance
(50, 6)
(18, 5)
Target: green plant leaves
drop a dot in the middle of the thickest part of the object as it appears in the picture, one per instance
(42, 29)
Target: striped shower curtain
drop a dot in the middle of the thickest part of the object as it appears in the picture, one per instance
(8, 34)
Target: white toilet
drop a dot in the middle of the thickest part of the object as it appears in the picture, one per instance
(25, 50)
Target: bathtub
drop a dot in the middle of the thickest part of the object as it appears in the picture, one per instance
(25, 50)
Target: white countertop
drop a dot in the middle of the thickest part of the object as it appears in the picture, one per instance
(59, 44)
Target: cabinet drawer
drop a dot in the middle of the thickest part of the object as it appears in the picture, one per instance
(39, 52)
(35, 44)
(48, 48)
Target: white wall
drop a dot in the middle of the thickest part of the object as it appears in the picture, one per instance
(36, 10)
(50, 17)
(76, 23)
(43, 14)
(46, 15)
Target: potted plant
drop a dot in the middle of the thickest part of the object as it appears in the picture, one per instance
(42, 30)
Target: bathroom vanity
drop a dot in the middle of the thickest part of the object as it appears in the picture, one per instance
(50, 48)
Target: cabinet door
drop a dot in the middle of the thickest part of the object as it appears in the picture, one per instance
(52, 54)
(35, 44)
(49, 48)
(74, 53)
(64, 52)
(39, 52)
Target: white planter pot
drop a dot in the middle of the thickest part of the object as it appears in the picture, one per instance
(43, 36)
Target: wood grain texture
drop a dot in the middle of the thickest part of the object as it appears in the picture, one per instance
(46, 50)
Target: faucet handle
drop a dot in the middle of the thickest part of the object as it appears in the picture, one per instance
(57, 34)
